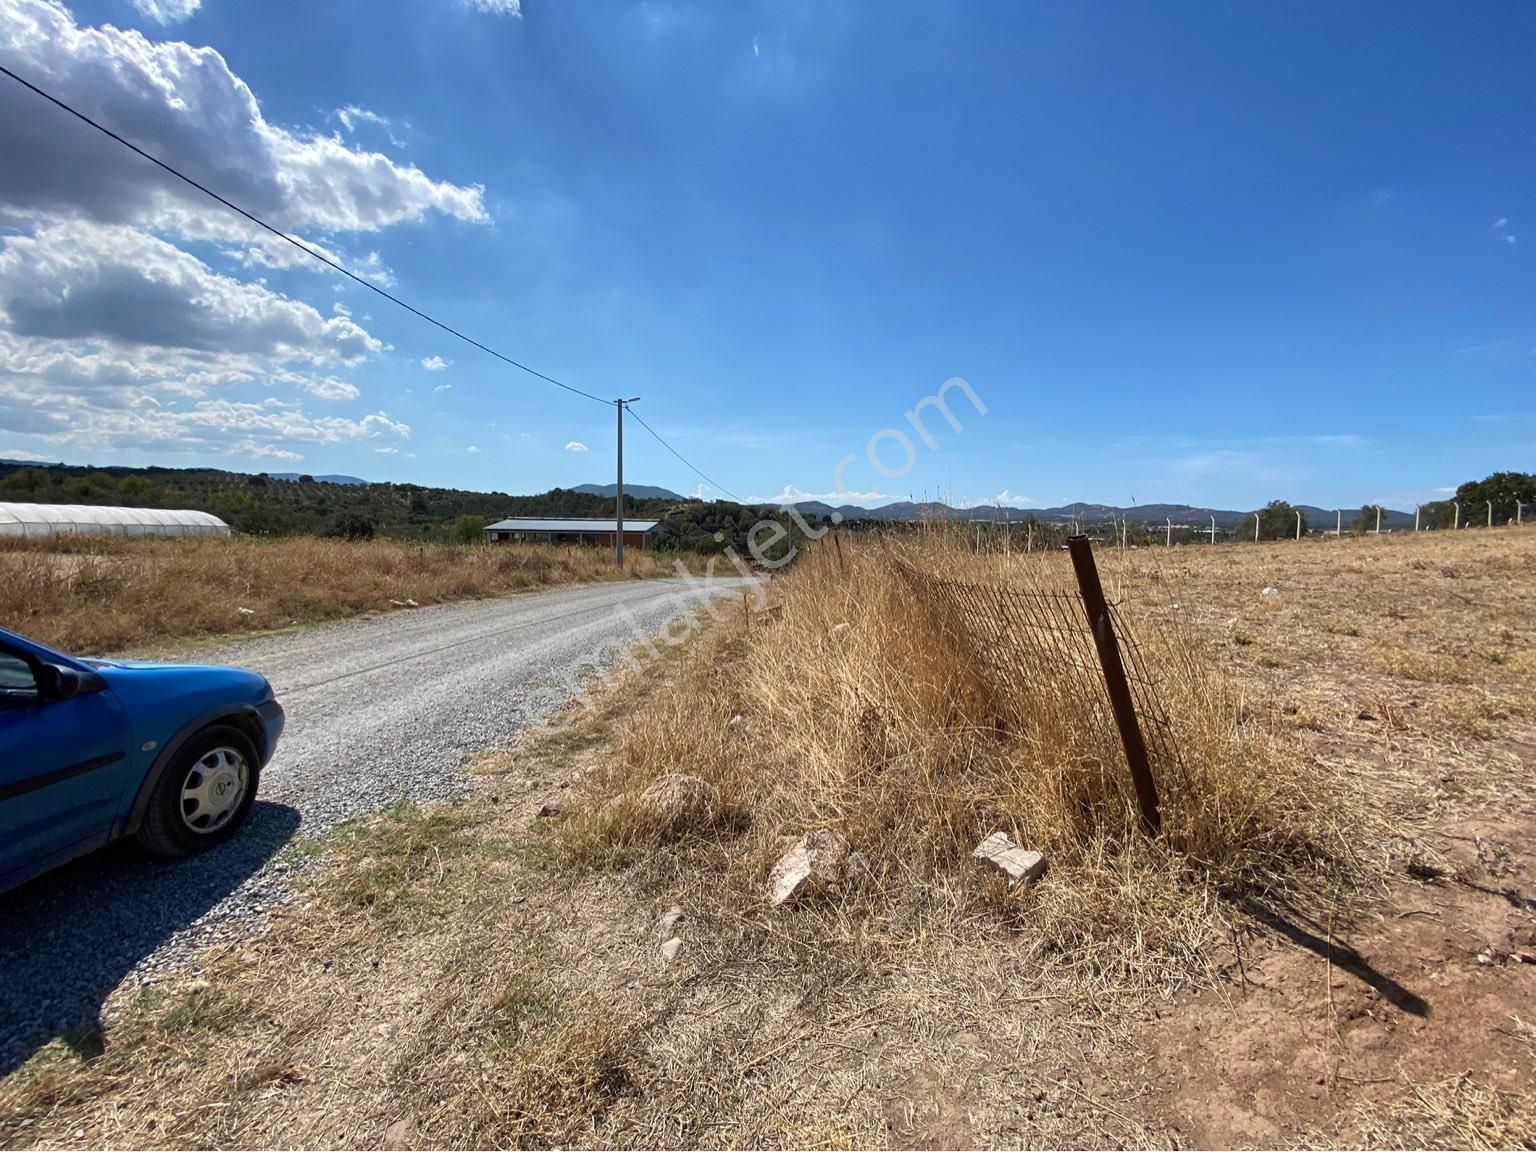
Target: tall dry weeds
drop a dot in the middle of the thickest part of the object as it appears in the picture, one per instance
(101, 594)
(865, 706)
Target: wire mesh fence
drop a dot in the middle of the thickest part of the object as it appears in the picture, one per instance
(1038, 649)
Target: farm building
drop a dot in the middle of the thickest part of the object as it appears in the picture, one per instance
(531, 530)
(42, 520)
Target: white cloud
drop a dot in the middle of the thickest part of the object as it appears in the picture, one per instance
(435, 363)
(113, 336)
(82, 281)
(186, 106)
(329, 388)
(498, 7)
(270, 429)
(167, 11)
(443, 388)
(351, 116)
(793, 495)
(387, 450)
(472, 449)
(354, 120)
(1509, 238)
(19, 454)
(1013, 499)
(575, 446)
(1500, 223)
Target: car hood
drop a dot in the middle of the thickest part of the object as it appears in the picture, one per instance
(142, 678)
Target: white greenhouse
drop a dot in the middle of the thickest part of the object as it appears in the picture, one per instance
(93, 520)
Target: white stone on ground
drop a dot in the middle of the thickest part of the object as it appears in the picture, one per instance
(816, 856)
(1020, 865)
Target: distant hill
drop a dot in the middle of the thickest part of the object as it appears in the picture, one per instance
(1154, 515)
(333, 479)
(631, 491)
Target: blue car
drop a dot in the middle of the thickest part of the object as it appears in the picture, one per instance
(95, 750)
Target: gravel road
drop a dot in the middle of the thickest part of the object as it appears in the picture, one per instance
(378, 709)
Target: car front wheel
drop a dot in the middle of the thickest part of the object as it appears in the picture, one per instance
(204, 795)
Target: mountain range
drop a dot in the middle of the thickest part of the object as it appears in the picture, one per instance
(1150, 514)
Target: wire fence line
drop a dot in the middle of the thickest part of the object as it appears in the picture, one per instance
(1038, 650)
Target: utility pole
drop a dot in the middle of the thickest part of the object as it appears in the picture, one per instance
(1456, 505)
(1338, 523)
(1298, 524)
(618, 501)
(1378, 519)
(1255, 527)
(1213, 529)
(1490, 513)
(1416, 509)
(1170, 532)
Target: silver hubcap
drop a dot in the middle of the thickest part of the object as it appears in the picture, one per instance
(213, 790)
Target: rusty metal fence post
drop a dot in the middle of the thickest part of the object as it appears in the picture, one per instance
(1120, 700)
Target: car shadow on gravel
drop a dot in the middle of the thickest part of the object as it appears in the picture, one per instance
(70, 936)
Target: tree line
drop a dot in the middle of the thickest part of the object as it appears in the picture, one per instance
(265, 505)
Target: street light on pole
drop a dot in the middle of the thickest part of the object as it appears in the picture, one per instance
(618, 502)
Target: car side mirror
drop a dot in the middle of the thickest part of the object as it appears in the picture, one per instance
(57, 684)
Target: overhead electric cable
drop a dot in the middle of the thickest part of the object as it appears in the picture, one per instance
(684, 459)
(347, 272)
(259, 222)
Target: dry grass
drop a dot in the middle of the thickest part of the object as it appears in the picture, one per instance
(102, 594)
(403, 992)
(863, 708)
(1458, 1112)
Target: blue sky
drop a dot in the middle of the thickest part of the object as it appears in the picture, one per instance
(1212, 254)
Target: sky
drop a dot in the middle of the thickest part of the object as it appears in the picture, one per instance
(1200, 253)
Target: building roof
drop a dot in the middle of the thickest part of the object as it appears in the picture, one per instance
(533, 524)
(53, 519)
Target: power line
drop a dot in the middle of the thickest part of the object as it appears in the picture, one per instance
(684, 459)
(326, 260)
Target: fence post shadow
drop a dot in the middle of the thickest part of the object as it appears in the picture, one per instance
(1340, 955)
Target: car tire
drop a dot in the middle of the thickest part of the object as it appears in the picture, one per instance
(204, 795)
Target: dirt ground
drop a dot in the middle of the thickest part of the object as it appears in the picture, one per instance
(1409, 662)
(447, 978)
